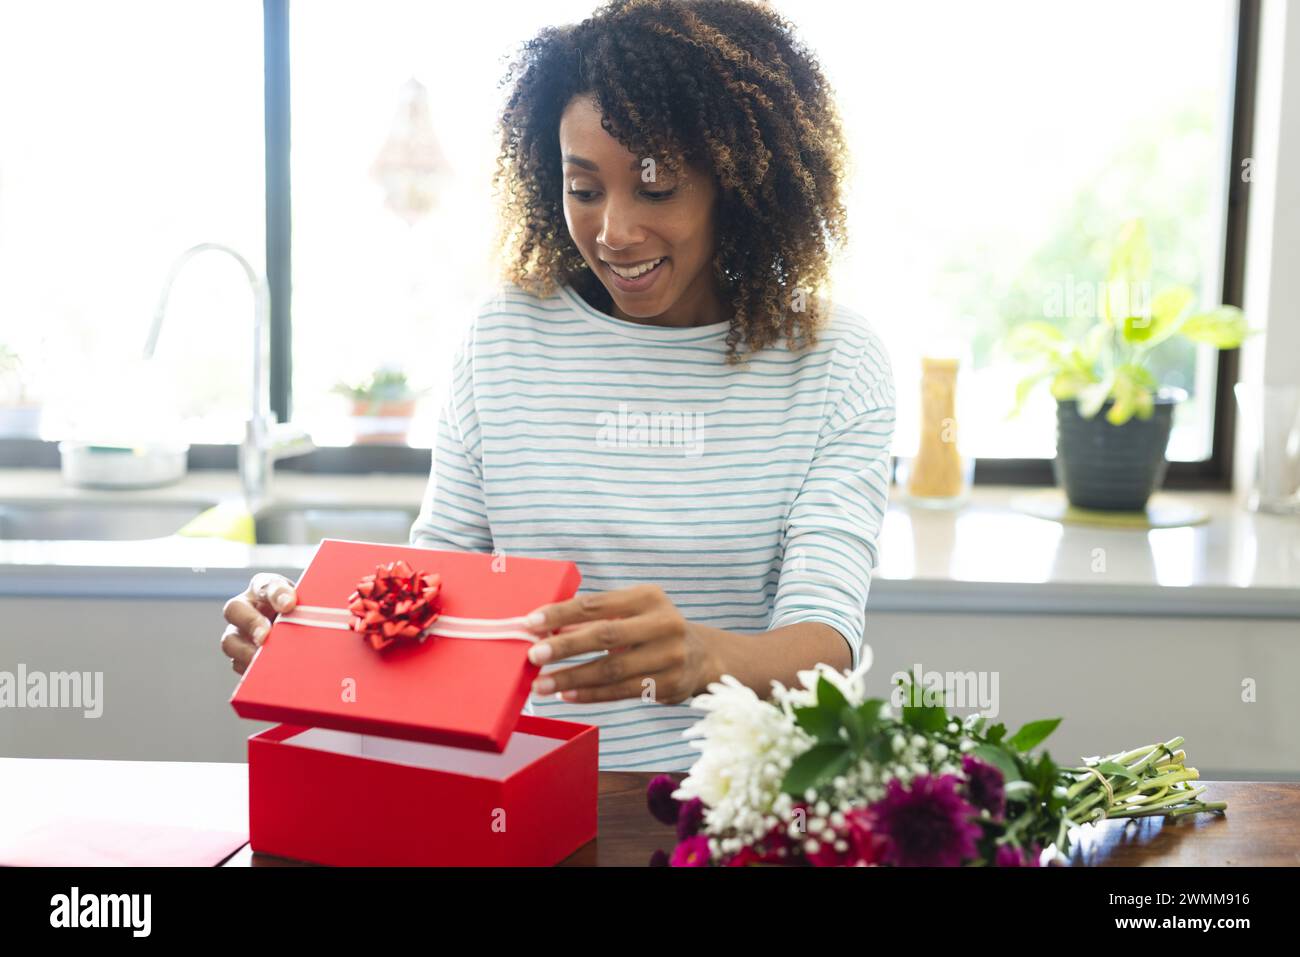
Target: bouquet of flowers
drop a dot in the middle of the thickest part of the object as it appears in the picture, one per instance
(820, 775)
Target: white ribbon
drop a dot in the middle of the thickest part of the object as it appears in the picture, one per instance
(444, 626)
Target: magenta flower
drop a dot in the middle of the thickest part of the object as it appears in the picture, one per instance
(660, 800)
(862, 844)
(1009, 856)
(867, 845)
(744, 857)
(689, 818)
(984, 786)
(928, 824)
(826, 855)
(776, 841)
(692, 852)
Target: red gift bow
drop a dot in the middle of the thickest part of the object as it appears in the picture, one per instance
(394, 604)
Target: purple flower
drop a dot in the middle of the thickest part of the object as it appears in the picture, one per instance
(928, 824)
(659, 798)
(692, 852)
(1009, 856)
(690, 818)
(984, 786)
(658, 859)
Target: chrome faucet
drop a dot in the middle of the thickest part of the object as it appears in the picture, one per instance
(265, 440)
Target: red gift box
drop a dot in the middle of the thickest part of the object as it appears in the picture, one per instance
(415, 754)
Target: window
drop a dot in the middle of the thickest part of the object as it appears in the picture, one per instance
(999, 147)
(128, 133)
(392, 281)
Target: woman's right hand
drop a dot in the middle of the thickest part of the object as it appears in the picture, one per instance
(250, 616)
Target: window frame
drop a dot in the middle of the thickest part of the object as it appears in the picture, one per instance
(1212, 473)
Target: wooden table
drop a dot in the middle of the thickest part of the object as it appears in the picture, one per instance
(1258, 829)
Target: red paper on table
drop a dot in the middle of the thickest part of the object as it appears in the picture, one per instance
(85, 842)
(463, 692)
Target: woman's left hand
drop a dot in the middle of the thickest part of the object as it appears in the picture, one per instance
(654, 652)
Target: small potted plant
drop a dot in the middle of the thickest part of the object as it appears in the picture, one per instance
(382, 406)
(20, 413)
(1113, 418)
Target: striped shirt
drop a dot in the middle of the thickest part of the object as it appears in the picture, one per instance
(753, 494)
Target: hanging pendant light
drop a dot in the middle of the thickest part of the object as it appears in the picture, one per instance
(411, 168)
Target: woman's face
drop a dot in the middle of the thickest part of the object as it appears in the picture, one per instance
(627, 212)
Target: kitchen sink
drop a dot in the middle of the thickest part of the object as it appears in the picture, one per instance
(94, 521)
(308, 524)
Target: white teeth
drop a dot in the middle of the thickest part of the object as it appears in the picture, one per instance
(635, 271)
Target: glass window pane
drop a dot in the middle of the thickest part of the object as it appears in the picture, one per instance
(376, 284)
(998, 146)
(128, 133)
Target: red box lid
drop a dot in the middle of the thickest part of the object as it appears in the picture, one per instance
(464, 692)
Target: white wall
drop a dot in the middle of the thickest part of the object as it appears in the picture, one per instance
(1121, 682)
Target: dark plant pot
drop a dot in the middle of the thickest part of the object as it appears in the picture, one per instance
(1112, 468)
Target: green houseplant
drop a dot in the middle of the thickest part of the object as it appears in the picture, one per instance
(20, 412)
(1113, 417)
(382, 405)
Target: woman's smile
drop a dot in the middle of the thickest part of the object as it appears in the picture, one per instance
(639, 277)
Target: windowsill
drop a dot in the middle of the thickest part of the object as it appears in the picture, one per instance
(983, 558)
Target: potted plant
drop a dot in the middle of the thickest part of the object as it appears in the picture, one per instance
(20, 413)
(382, 406)
(1113, 418)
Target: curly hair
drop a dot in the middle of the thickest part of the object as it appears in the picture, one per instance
(724, 85)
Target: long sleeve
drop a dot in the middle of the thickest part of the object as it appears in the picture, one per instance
(829, 548)
(453, 514)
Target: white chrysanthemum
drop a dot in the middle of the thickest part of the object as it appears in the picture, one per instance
(851, 684)
(746, 744)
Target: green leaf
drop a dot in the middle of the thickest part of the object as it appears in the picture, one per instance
(880, 749)
(912, 696)
(1025, 388)
(916, 714)
(820, 763)
(1000, 758)
(1033, 734)
(1136, 329)
(1075, 373)
(869, 711)
(1092, 397)
(1043, 774)
(926, 719)
(996, 733)
(1094, 341)
(1035, 339)
(829, 696)
(1167, 309)
(855, 725)
(1223, 328)
(822, 723)
(1114, 768)
(1134, 391)
(1130, 271)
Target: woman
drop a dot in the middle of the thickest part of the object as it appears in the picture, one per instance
(655, 393)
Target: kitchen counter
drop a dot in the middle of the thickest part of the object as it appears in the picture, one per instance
(1258, 828)
(983, 558)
